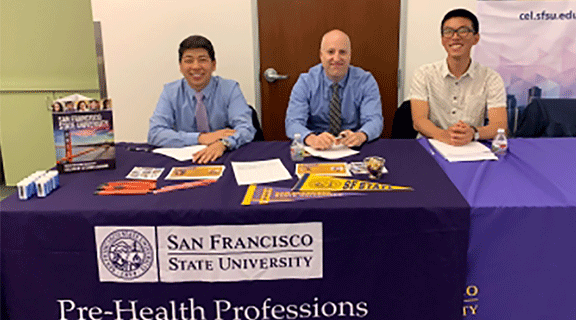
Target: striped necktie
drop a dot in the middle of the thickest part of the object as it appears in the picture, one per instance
(335, 111)
(201, 114)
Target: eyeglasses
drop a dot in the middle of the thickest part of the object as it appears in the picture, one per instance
(462, 32)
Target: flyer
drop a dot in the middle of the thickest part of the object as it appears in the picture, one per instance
(145, 173)
(323, 168)
(196, 172)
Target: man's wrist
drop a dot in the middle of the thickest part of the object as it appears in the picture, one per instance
(365, 136)
(227, 145)
(475, 134)
(202, 139)
(310, 135)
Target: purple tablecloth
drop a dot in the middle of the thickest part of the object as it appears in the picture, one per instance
(522, 232)
(401, 253)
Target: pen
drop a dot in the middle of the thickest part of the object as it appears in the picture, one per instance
(125, 187)
(340, 136)
(121, 192)
(139, 149)
(138, 184)
(431, 148)
(185, 185)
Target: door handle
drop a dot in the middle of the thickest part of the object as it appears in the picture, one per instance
(272, 75)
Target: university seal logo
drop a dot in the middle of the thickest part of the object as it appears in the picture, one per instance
(127, 254)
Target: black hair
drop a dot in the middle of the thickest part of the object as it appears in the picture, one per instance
(196, 42)
(462, 13)
(57, 105)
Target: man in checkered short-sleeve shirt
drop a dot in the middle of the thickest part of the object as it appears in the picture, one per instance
(451, 98)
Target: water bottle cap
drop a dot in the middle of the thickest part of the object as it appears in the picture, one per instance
(500, 130)
(296, 136)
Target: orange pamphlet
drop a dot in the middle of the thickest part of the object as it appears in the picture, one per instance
(323, 168)
(196, 172)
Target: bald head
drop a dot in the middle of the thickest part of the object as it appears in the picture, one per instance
(335, 35)
(335, 54)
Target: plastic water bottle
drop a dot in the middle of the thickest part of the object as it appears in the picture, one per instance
(297, 148)
(500, 143)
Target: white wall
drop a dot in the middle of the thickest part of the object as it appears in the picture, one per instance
(141, 40)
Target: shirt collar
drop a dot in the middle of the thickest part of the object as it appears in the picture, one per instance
(471, 72)
(341, 83)
(472, 69)
(207, 91)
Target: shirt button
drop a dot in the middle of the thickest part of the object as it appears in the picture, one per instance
(453, 111)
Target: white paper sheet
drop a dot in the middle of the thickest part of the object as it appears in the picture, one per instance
(474, 151)
(254, 172)
(145, 173)
(336, 152)
(180, 154)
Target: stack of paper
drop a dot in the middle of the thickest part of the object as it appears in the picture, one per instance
(336, 152)
(255, 172)
(180, 154)
(474, 151)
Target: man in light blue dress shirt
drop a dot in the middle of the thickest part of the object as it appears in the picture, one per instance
(308, 111)
(227, 120)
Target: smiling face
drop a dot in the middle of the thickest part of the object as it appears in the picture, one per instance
(459, 47)
(82, 106)
(335, 54)
(94, 105)
(197, 67)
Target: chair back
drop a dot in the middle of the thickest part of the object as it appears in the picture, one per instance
(259, 136)
(402, 127)
(548, 118)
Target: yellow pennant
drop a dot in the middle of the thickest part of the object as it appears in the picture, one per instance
(264, 195)
(310, 182)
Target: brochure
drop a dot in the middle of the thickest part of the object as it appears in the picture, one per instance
(83, 134)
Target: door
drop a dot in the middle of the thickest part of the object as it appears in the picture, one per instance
(290, 32)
